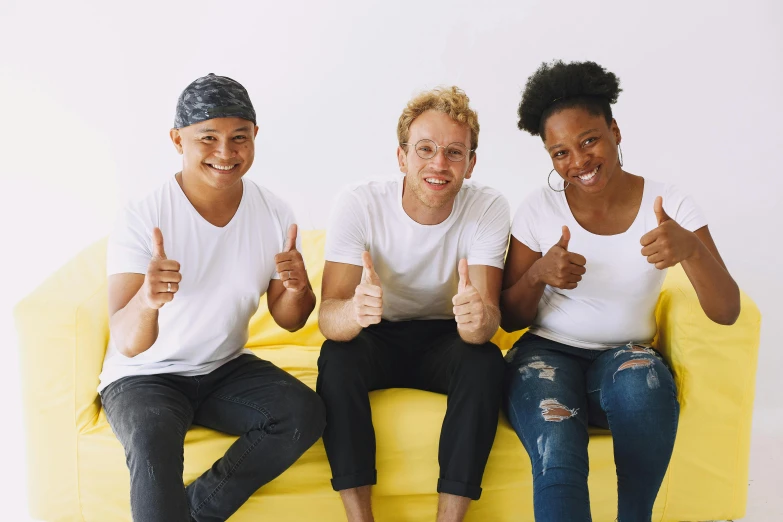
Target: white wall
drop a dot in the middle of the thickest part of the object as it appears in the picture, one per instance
(87, 97)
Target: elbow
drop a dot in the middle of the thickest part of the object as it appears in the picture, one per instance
(730, 311)
(511, 322)
(128, 351)
(727, 317)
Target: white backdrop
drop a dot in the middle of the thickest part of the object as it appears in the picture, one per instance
(88, 96)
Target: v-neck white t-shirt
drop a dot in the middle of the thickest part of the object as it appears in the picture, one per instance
(225, 271)
(417, 264)
(615, 301)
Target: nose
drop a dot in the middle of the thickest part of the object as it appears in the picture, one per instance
(439, 160)
(580, 159)
(225, 149)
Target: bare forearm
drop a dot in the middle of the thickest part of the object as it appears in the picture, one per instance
(134, 328)
(519, 303)
(336, 320)
(291, 309)
(487, 330)
(717, 291)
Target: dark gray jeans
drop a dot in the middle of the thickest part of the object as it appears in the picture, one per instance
(276, 416)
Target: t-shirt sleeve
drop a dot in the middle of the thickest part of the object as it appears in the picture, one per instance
(130, 244)
(346, 238)
(523, 226)
(683, 209)
(489, 246)
(286, 219)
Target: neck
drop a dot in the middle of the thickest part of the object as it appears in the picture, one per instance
(217, 206)
(420, 213)
(616, 191)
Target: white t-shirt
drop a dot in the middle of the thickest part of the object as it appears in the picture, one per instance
(224, 271)
(614, 303)
(417, 264)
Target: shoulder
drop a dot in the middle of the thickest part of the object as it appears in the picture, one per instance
(672, 194)
(263, 198)
(149, 207)
(475, 194)
(540, 200)
(368, 195)
(373, 189)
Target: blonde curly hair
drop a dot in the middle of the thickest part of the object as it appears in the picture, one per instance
(449, 100)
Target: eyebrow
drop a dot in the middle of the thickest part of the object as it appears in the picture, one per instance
(578, 137)
(244, 128)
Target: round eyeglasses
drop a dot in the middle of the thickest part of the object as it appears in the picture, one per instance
(427, 149)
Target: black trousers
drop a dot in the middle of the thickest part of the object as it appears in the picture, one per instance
(276, 417)
(425, 355)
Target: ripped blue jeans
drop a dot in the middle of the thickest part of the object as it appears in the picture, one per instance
(553, 391)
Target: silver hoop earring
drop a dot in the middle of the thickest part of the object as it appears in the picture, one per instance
(548, 182)
(620, 151)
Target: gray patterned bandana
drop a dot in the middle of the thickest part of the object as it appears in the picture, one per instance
(213, 97)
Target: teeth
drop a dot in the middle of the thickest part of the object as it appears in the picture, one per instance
(589, 176)
(435, 181)
(222, 167)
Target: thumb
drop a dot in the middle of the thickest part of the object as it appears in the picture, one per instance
(464, 275)
(290, 242)
(659, 212)
(157, 244)
(564, 238)
(368, 274)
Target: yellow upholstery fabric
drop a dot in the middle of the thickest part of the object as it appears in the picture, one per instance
(77, 467)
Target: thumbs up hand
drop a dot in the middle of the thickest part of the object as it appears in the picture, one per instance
(162, 279)
(560, 268)
(668, 243)
(290, 265)
(368, 296)
(469, 310)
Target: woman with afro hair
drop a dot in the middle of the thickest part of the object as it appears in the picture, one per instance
(587, 258)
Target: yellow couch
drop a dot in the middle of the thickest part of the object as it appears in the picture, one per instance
(77, 467)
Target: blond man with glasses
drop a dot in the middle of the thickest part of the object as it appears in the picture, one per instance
(410, 300)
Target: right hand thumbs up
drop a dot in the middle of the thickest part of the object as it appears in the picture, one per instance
(368, 297)
(559, 267)
(162, 279)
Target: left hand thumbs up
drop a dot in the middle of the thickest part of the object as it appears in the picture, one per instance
(659, 212)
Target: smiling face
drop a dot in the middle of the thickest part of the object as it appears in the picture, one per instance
(583, 148)
(431, 185)
(216, 153)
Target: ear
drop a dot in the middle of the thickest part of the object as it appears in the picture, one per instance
(176, 139)
(402, 160)
(616, 131)
(471, 165)
(255, 132)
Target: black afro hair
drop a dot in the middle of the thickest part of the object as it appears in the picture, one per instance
(556, 86)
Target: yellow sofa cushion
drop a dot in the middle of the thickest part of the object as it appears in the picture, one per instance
(77, 469)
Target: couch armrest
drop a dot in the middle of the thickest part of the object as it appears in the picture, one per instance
(715, 371)
(63, 332)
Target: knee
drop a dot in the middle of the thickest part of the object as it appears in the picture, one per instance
(339, 356)
(639, 383)
(153, 441)
(338, 363)
(308, 416)
(483, 361)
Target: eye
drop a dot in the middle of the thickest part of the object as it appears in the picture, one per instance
(208, 138)
(588, 141)
(240, 138)
(455, 154)
(425, 148)
(559, 154)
